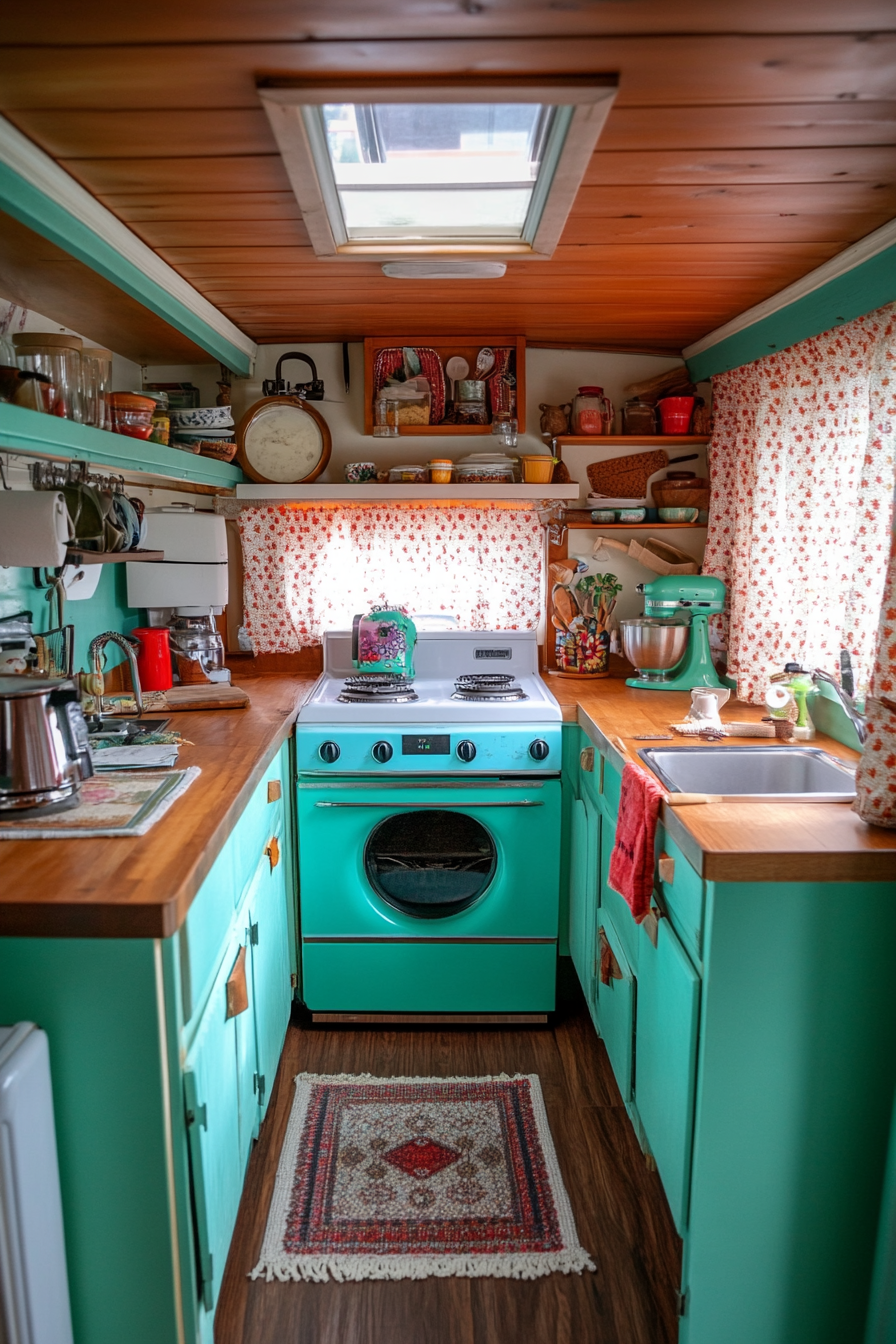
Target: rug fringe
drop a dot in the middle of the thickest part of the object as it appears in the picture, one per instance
(353, 1268)
(377, 1078)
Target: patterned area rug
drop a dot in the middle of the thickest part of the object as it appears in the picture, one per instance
(406, 1178)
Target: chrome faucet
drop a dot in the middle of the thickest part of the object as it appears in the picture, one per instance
(857, 720)
(127, 645)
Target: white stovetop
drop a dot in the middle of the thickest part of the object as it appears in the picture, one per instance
(440, 657)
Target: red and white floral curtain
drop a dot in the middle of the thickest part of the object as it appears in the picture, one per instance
(308, 570)
(802, 470)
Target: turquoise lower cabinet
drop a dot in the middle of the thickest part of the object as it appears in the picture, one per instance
(212, 1085)
(158, 1087)
(583, 892)
(616, 1009)
(666, 1057)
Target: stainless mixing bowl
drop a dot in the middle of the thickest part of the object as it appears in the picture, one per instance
(653, 644)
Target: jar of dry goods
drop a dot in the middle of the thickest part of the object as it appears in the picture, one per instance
(59, 358)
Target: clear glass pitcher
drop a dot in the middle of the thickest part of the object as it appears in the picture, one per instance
(592, 412)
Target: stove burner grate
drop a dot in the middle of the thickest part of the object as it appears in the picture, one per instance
(492, 686)
(378, 688)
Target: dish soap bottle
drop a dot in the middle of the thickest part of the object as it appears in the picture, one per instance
(801, 685)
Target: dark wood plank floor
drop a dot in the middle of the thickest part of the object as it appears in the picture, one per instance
(620, 1210)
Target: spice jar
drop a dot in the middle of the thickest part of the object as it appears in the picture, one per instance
(96, 381)
(59, 358)
(638, 417)
(592, 412)
(440, 469)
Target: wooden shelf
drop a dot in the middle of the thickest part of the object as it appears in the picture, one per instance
(468, 348)
(359, 494)
(75, 556)
(37, 435)
(634, 527)
(633, 440)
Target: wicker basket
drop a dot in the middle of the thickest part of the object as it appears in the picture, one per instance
(693, 494)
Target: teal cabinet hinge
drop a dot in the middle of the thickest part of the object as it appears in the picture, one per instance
(253, 934)
(208, 1277)
(682, 1303)
(258, 1085)
(198, 1115)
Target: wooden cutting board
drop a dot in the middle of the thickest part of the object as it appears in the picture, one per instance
(216, 695)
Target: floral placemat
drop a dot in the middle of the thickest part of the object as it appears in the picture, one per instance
(110, 804)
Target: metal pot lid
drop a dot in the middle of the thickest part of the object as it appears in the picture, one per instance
(25, 685)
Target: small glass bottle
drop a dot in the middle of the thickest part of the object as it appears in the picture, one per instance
(385, 418)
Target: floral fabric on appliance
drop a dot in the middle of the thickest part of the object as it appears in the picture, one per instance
(309, 569)
(802, 470)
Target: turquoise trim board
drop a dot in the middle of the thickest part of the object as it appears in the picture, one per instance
(32, 432)
(45, 216)
(867, 286)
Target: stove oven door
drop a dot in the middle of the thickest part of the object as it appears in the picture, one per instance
(429, 895)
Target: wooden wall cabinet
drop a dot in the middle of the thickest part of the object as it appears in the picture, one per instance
(468, 348)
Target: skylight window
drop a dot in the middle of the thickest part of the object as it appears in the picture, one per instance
(418, 171)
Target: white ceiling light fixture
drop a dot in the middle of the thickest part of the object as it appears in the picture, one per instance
(444, 270)
(486, 167)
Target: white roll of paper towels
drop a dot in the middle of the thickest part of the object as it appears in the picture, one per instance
(34, 528)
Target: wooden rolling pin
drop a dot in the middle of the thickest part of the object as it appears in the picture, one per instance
(675, 799)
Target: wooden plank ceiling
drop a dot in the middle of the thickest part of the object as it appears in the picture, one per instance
(748, 143)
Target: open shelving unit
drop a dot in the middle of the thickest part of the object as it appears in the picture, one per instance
(360, 494)
(632, 440)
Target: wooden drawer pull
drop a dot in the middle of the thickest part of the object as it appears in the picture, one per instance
(237, 988)
(274, 790)
(666, 867)
(586, 760)
(272, 849)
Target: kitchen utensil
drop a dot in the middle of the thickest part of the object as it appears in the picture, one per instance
(706, 705)
(689, 494)
(312, 390)
(153, 658)
(456, 368)
(43, 745)
(679, 515)
(675, 413)
(58, 357)
(383, 641)
(283, 440)
(629, 475)
(669, 644)
(592, 412)
(213, 695)
(484, 361)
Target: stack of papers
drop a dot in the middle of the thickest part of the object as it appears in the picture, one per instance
(135, 758)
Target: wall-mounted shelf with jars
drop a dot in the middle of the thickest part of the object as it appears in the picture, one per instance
(632, 440)
(463, 347)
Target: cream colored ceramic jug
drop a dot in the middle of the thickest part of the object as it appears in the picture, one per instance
(706, 704)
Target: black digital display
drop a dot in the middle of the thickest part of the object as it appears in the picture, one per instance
(440, 745)
(493, 653)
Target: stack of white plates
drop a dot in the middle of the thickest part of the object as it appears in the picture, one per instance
(191, 427)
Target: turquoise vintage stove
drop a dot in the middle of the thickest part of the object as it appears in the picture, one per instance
(429, 822)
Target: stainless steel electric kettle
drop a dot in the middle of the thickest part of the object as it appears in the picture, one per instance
(43, 745)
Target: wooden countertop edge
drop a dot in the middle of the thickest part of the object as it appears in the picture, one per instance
(97, 918)
(871, 857)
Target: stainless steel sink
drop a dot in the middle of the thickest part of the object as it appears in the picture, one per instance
(787, 774)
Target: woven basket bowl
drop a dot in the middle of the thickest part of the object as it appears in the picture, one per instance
(681, 494)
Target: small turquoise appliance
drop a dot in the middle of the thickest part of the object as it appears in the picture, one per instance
(669, 645)
(383, 642)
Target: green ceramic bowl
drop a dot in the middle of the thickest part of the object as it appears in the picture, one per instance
(679, 515)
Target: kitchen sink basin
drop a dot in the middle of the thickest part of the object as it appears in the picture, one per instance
(788, 774)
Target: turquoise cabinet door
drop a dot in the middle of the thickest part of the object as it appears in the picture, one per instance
(668, 991)
(615, 1011)
(272, 987)
(211, 1093)
(583, 891)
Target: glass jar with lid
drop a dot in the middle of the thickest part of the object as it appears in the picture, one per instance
(59, 358)
(638, 417)
(592, 412)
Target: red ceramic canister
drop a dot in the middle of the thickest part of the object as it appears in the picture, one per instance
(153, 659)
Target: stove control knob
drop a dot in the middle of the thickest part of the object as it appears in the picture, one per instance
(539, 749)
(382, 752)
(329, 752)
(466, 751)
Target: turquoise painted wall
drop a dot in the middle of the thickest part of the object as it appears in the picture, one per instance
(106, 610)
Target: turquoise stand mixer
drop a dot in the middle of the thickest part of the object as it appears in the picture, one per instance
(669, 644)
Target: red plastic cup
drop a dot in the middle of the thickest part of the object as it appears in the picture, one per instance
(153, 659)
(676, 414)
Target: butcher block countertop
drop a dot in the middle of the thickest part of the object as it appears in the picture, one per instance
(733, 842)
(142, 887)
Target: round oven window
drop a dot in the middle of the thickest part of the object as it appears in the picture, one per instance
(430, 864)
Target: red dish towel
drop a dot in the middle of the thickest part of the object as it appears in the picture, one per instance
(631, 863)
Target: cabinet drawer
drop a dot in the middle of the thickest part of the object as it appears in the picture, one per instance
(260, 819)
(681, 893)
(615, 1008)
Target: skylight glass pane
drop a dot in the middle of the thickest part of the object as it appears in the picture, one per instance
(447, 170)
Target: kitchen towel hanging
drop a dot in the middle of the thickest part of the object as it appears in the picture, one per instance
(631, 863)
(34, 528)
